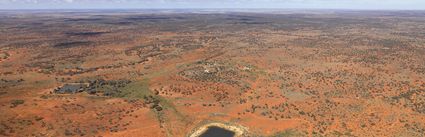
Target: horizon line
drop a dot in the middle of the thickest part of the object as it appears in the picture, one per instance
(341, 9)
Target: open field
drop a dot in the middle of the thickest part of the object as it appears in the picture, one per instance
(166, 73)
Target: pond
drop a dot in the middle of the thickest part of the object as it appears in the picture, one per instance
(215, 131)
(70, 89)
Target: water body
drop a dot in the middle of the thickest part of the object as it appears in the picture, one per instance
(214, 131)
(70, 89)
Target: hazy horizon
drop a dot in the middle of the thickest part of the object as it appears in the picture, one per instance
(215, 4)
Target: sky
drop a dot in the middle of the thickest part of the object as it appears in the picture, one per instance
(208, 4)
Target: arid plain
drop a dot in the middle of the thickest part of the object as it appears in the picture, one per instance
(166, 73)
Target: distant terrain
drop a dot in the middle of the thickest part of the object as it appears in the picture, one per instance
(166, 73)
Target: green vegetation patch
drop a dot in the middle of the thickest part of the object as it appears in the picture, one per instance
(16, 102)
(134, 90)
(289, 133)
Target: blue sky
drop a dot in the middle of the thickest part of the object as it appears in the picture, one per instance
(143, 4)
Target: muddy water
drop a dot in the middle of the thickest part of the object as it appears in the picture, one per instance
(214, 131)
